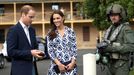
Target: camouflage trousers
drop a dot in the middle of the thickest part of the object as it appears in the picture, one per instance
(115, 67)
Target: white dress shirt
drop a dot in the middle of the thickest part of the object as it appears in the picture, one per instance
(26, 31)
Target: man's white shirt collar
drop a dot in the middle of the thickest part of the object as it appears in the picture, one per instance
(22, 24)
(26, 30)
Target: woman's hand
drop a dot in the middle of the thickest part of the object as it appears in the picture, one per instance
(60, 65)
(71, 65)
(61, 68)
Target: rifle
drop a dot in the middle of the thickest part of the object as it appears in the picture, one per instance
(102, 57)
(131, 60)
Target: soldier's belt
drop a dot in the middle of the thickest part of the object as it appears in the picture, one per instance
(119, 56)
(115, 56)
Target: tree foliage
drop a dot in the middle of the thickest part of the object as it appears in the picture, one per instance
(96, 9)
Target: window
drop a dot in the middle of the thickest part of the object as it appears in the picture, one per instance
(1, 10)
(2, 35)
(86, 33)
(55, 6)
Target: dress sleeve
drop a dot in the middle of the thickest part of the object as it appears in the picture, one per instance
(74, 46)
(51, 50)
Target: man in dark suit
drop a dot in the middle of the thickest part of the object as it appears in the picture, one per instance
(22, 45)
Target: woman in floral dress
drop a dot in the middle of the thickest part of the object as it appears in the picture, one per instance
(61, 43)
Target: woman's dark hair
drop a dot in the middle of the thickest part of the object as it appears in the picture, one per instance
(52, 33)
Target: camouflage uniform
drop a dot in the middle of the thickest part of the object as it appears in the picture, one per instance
(120, 42)
(119, 51)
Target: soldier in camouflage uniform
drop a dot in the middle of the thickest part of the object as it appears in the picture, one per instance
(118, 42)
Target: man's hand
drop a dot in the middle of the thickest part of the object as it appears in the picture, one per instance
(37, 53)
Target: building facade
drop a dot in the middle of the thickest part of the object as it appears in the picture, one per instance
(86, 33)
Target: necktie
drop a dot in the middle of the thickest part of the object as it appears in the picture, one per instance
(27, 34)
(28, 37)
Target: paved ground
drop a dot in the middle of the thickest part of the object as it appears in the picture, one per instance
(43, 65)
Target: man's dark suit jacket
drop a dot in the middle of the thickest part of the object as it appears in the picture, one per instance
(18, 49)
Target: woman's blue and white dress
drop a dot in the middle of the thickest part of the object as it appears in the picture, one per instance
(63, 48)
